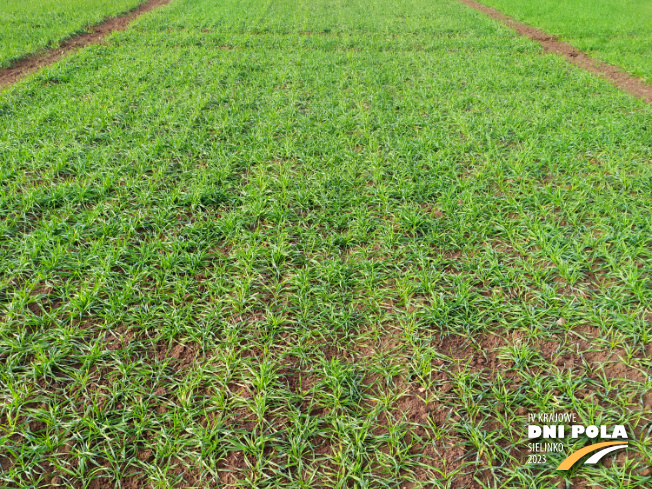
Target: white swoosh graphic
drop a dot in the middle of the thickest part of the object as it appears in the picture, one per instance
(595, 458)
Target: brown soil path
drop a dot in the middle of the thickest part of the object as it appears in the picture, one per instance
(32, 63)
(635, 86)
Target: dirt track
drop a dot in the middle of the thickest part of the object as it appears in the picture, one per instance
(32, 63)
(635, 86)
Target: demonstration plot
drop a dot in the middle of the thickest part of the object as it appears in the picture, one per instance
(29, 26)
(314, 244)
(618, 32)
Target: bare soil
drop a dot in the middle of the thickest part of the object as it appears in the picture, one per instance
(634, 86)
(34, 62)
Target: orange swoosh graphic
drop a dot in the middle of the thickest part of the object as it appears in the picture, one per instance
(574, 457)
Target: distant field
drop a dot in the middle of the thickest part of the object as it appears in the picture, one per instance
(616, 31)
(28, 26)
(320, 244)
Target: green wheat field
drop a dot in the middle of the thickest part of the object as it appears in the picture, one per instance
(618, 32)
(319, 244)
(28, 26)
